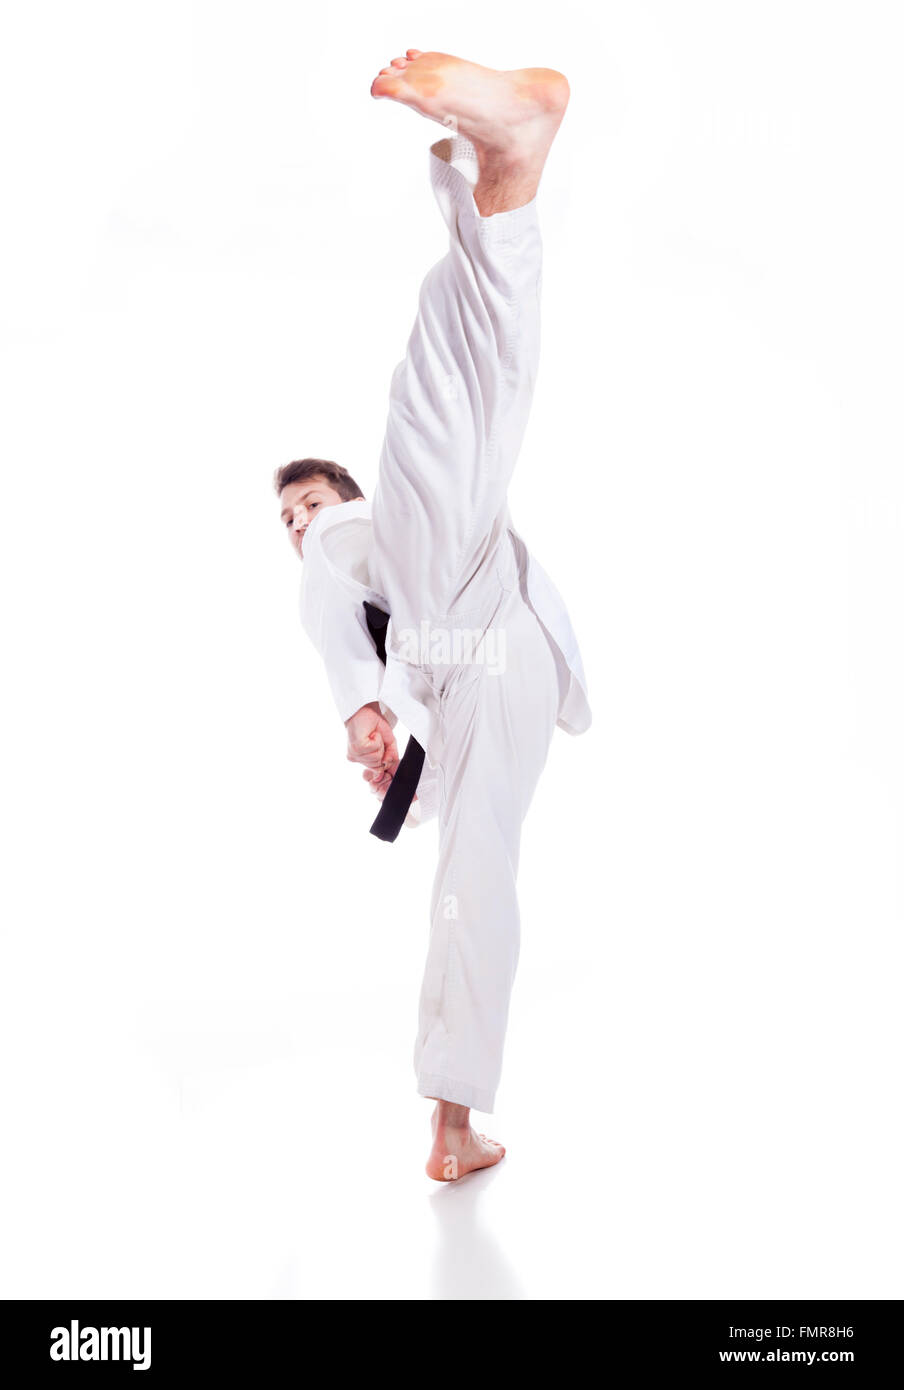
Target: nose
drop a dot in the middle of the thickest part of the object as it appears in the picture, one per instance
(299, 521)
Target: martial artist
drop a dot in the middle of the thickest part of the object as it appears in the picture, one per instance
(477, 657)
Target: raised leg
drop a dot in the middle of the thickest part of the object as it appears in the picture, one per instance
(460, 399)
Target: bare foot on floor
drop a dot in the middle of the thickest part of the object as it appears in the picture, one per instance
(511, 118)
(458, 1149)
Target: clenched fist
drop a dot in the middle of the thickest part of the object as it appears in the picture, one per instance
(372, 743)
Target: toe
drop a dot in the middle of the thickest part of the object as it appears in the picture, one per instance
(413, 52)
(400, 62)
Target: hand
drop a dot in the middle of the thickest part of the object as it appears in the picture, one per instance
(379, 782)
(372, 743)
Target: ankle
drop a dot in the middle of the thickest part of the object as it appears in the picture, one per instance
(447, 1116)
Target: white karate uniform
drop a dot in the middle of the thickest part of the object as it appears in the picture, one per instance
(437, 549)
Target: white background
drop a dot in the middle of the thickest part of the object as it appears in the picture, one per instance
(211, 248)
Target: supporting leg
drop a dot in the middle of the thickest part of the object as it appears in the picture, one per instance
(496, 736)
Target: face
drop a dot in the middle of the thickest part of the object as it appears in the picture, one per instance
(300, 503)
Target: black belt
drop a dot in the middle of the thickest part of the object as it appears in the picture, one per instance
(400, 792)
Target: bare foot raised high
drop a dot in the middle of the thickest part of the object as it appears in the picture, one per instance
(510, 117)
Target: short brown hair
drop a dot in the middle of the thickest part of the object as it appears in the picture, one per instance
(338, 477)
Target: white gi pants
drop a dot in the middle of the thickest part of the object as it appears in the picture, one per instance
(459, 403)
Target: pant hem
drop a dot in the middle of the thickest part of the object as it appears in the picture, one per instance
(456, 1092)
(459, 176)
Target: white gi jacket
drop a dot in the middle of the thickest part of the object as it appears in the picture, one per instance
(336, 580)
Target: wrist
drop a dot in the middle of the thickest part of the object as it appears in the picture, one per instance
(373, 705)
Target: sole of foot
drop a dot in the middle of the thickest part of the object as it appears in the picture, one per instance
(511, 114)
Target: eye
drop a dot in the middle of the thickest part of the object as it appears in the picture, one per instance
(313, 505)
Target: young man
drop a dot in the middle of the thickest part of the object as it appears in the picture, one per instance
(478, 658)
